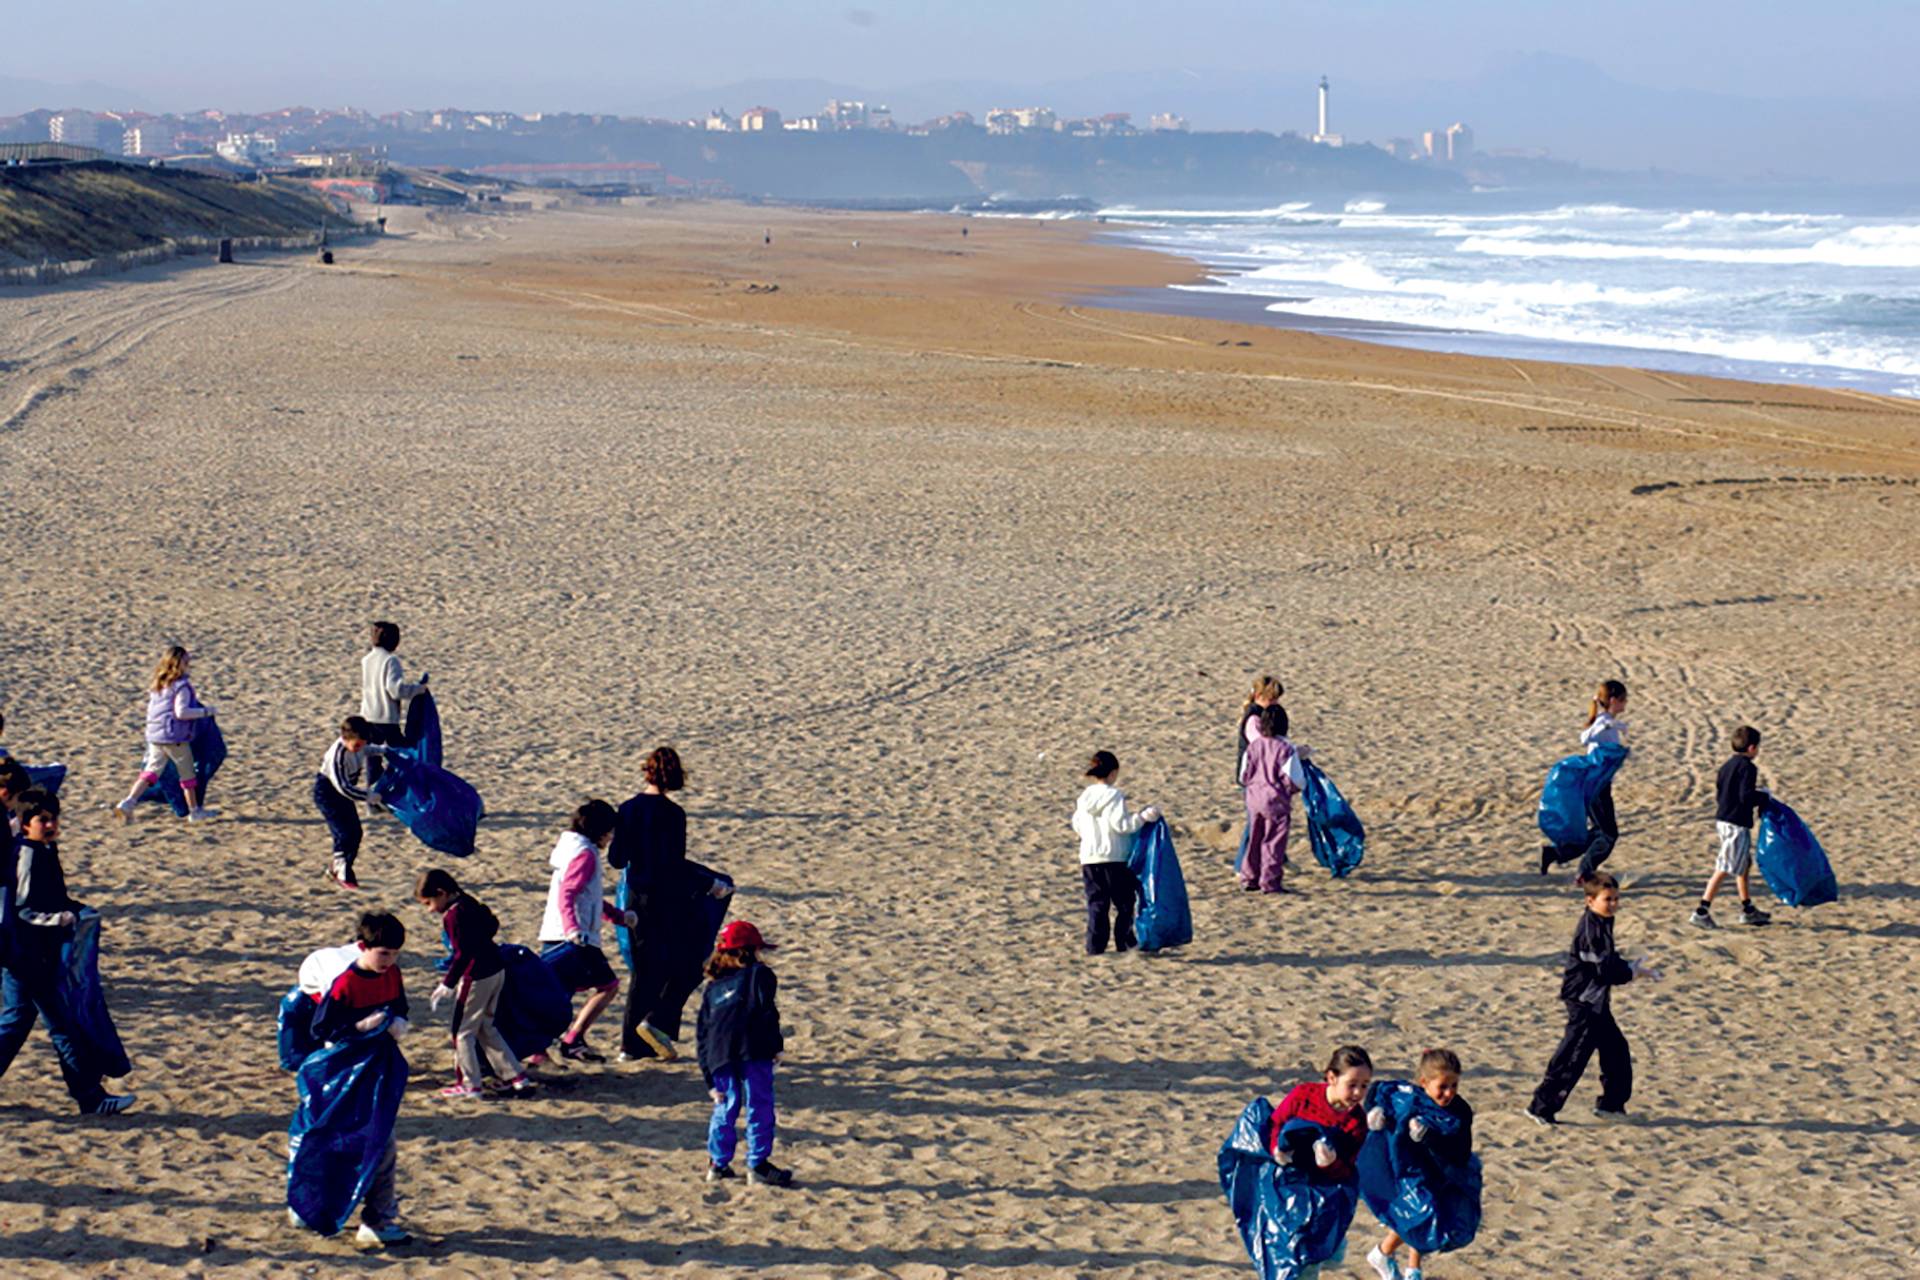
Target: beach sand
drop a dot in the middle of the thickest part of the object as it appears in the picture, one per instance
(886, 552)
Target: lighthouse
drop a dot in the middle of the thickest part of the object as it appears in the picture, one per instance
(1325, 136)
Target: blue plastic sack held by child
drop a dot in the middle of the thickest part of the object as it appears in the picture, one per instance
(209, 748)
(1791, 860)
(1164, 918)
(705, 927)
(442, 810)
(534, 1006)
(1287, 1222)
(296, 1028)
(99, 1040)
(422, 730)
(1571, 785)
(350, 1095)
(1432, 1206)
(1333, 828)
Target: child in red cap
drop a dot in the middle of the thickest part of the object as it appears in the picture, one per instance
(739, 1038)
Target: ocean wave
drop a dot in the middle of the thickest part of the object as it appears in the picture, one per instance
(1888, 246)
(1359, 275)
(1365, 206)
(1206, 215)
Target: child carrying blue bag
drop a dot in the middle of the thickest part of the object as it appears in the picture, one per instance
(1164, 918)
(1418, 1173)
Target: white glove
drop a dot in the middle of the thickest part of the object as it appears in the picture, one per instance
(1283, 1154)
(66, 919)
(1417, 1129)
(1150, 814)
(441, 994)
(719, 889)
(717, 1096)
(398, 1027)
(1376, 1118)
(371, 1021)
(1643, 968)
(1323, 1153)
(578, 937)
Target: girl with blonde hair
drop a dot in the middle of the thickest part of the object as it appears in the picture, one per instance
(172, 707)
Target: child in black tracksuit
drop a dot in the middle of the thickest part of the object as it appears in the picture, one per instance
(1593, 969)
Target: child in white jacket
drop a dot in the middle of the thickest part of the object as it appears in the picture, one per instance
(1106, 832)
(570, 929)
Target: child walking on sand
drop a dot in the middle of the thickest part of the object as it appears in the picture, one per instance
(570, 928)
(475, 976)
(383, 691)
(1106, 831)
(171, 710)
(339, 789)
(740, 1042)
(1272, 775)
(1266, 691)
(1737, 793)
(1439, 1078)
(1593, 969)
(1606, 723)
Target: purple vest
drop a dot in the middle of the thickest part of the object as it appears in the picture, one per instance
(161, 726)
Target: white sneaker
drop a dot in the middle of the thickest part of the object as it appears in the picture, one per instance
(124, 810)
(390, 1234)
(200, 815)
(1385, 1265)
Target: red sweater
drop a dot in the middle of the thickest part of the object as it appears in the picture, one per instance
(1309, 1102)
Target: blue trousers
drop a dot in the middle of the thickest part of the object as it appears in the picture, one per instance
(343, 819)
(750, 1083)
(32, 994)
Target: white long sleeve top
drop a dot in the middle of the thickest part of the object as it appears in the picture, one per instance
(1106, 828)
(1604, 729)
(381, 688)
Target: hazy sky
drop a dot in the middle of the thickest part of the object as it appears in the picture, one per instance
(610, 54)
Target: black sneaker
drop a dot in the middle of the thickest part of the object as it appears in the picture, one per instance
(1546, 858)
(719, 1172)
(769, 1174)
(111, 1105)
(1750, 914)
(1702, 919)
(580, 1051)
(1609, 1113)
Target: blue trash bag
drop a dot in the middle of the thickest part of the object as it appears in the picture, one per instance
(1791, 860)
(534, 1007)
(422, 730)
(1164, 918)
(47, 777)
(350, 1095)
(1571, 785)
(1432, 1206)
(1287, 1221)
(1333, 828)
(94, 1032)
(296, 1028)
(711, 913)
(444, 811)
(209, 748)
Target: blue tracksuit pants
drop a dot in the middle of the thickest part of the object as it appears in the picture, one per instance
(751, 1084)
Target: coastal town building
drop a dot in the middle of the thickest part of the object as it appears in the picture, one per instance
(759, 120)
(718, 121)
(148, 138)
(75, 128)
(1167, 122)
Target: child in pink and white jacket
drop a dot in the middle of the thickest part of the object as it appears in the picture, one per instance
(171, 710)
(570, 929)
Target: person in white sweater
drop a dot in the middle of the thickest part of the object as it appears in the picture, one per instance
(384, 691)
(570, 927)
(1106, 829)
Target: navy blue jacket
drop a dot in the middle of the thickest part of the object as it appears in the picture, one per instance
(1593, 967)
(738, 1021)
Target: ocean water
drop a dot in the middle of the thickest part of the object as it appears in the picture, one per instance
(1819, 287)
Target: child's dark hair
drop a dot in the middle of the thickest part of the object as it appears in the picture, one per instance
(662, 770)
(726, 960)
(1599, 882)
(1745, 738)
(434, 881)
(1103, 765)
(593, 820)
(381, 929)
(1346, 1058)
(14, 777)
(1273, 721)
(1607, 692)
(1438, 1062)
(386, 636)
(32, 803)
(356, 727)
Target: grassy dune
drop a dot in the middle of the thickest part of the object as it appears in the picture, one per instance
(67, 212)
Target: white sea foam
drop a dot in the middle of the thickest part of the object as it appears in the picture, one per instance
(1890, 246)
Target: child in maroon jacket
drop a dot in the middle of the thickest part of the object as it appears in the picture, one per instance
(1333, 1103)
(475, 977)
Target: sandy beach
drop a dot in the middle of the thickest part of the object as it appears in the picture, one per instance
(886, 537)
